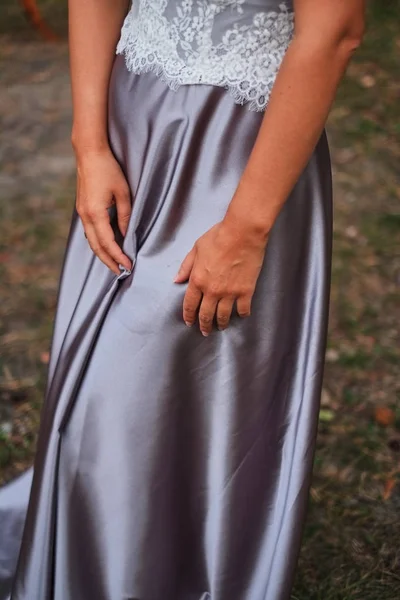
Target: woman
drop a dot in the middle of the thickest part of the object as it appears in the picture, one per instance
(174, 462)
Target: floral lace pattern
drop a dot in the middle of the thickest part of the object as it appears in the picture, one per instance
(228, 43)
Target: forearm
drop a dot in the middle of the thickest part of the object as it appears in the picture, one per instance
(294, 120)
(94, 29)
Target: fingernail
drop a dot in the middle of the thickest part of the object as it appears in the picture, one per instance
(188, 324)
(124, 269)
(205, 333)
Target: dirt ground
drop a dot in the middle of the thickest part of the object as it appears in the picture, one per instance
(351, 539)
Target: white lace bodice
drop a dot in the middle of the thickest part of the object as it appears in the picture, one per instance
(237, 44)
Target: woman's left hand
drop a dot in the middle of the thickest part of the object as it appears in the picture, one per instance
(222, 268)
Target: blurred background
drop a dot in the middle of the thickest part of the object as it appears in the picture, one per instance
(351, 546)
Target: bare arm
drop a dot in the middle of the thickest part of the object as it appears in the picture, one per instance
(224, 264)
(94, 29)
(326, 34)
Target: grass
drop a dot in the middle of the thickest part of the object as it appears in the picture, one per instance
(350, 550)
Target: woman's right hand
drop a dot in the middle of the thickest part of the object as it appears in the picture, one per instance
(101, 184)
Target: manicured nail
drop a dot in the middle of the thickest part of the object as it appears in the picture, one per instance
(124, 269)
(188, 324)
(205, 333)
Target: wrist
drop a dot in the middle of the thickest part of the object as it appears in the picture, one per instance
(247, 215)
(244, 226)
(83, 144)
(251, 210)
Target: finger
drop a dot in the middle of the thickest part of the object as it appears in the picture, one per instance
(224, 311)
(124, 209)
(106, 239)
(186, 267)
(243, 305)
(206, 314)
(98, 251)
(191, 304)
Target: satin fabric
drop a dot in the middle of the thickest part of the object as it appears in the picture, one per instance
(171, 466)
(13, 503)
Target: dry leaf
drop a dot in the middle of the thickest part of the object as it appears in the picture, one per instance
(351, 232)
(388, 488)
(45, 357)
(384, 416)
(368, 81)
(325, 398)
(332, 355)
(345, 155)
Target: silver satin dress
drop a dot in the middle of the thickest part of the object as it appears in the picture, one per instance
(171, 466)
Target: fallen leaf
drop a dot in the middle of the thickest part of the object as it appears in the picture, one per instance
(325, 398)
(345, 155)
(368, 81)
(388, 488)
(326, 415)
(45, 357)
(315, 495)
(346, 474)
(332, 355)
(351, 232)
(384, 416)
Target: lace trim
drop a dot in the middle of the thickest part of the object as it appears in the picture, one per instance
(180, 49)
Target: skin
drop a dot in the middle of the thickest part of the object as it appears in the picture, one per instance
(94, 29)
(223, 266)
